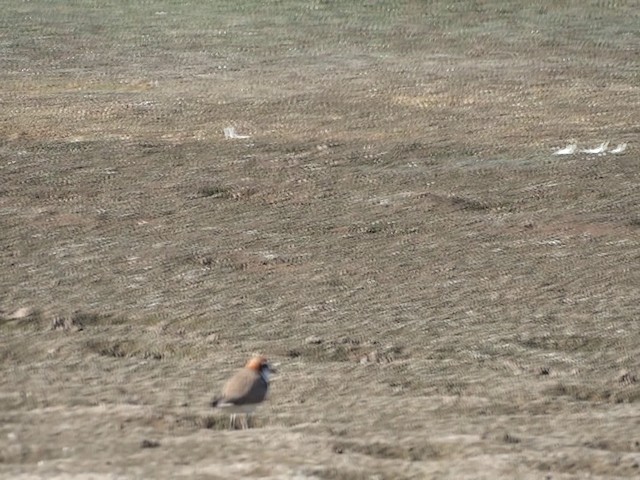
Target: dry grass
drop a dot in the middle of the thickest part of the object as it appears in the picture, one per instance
(445, 298)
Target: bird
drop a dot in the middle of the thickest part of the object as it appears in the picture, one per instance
(245, 390)
(599, 149)
(568, 150)
(619, 149)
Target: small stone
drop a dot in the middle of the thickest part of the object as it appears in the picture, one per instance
(149, 444)
(313, 340)
(21, 313)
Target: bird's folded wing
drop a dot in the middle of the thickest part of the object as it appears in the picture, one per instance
(245, 387)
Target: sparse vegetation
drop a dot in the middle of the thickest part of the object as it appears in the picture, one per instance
(444, 297)
(214, 191)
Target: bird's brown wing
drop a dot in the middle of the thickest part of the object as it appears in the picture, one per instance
(245, 388)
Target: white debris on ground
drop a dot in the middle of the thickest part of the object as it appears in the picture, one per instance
(568, 150)
(619, 149)
(599, 150)
(602, 148)
(230, 132)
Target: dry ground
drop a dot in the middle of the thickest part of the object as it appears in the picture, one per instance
(444, 297)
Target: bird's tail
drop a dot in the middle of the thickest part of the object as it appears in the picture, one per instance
(214, 403)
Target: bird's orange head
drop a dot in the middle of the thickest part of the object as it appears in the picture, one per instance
(257, 363)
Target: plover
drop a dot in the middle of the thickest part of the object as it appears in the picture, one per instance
(245, 390)
(568, 150)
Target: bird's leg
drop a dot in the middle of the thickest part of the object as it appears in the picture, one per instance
(232, 421)
(245, 422)
(249, 420)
